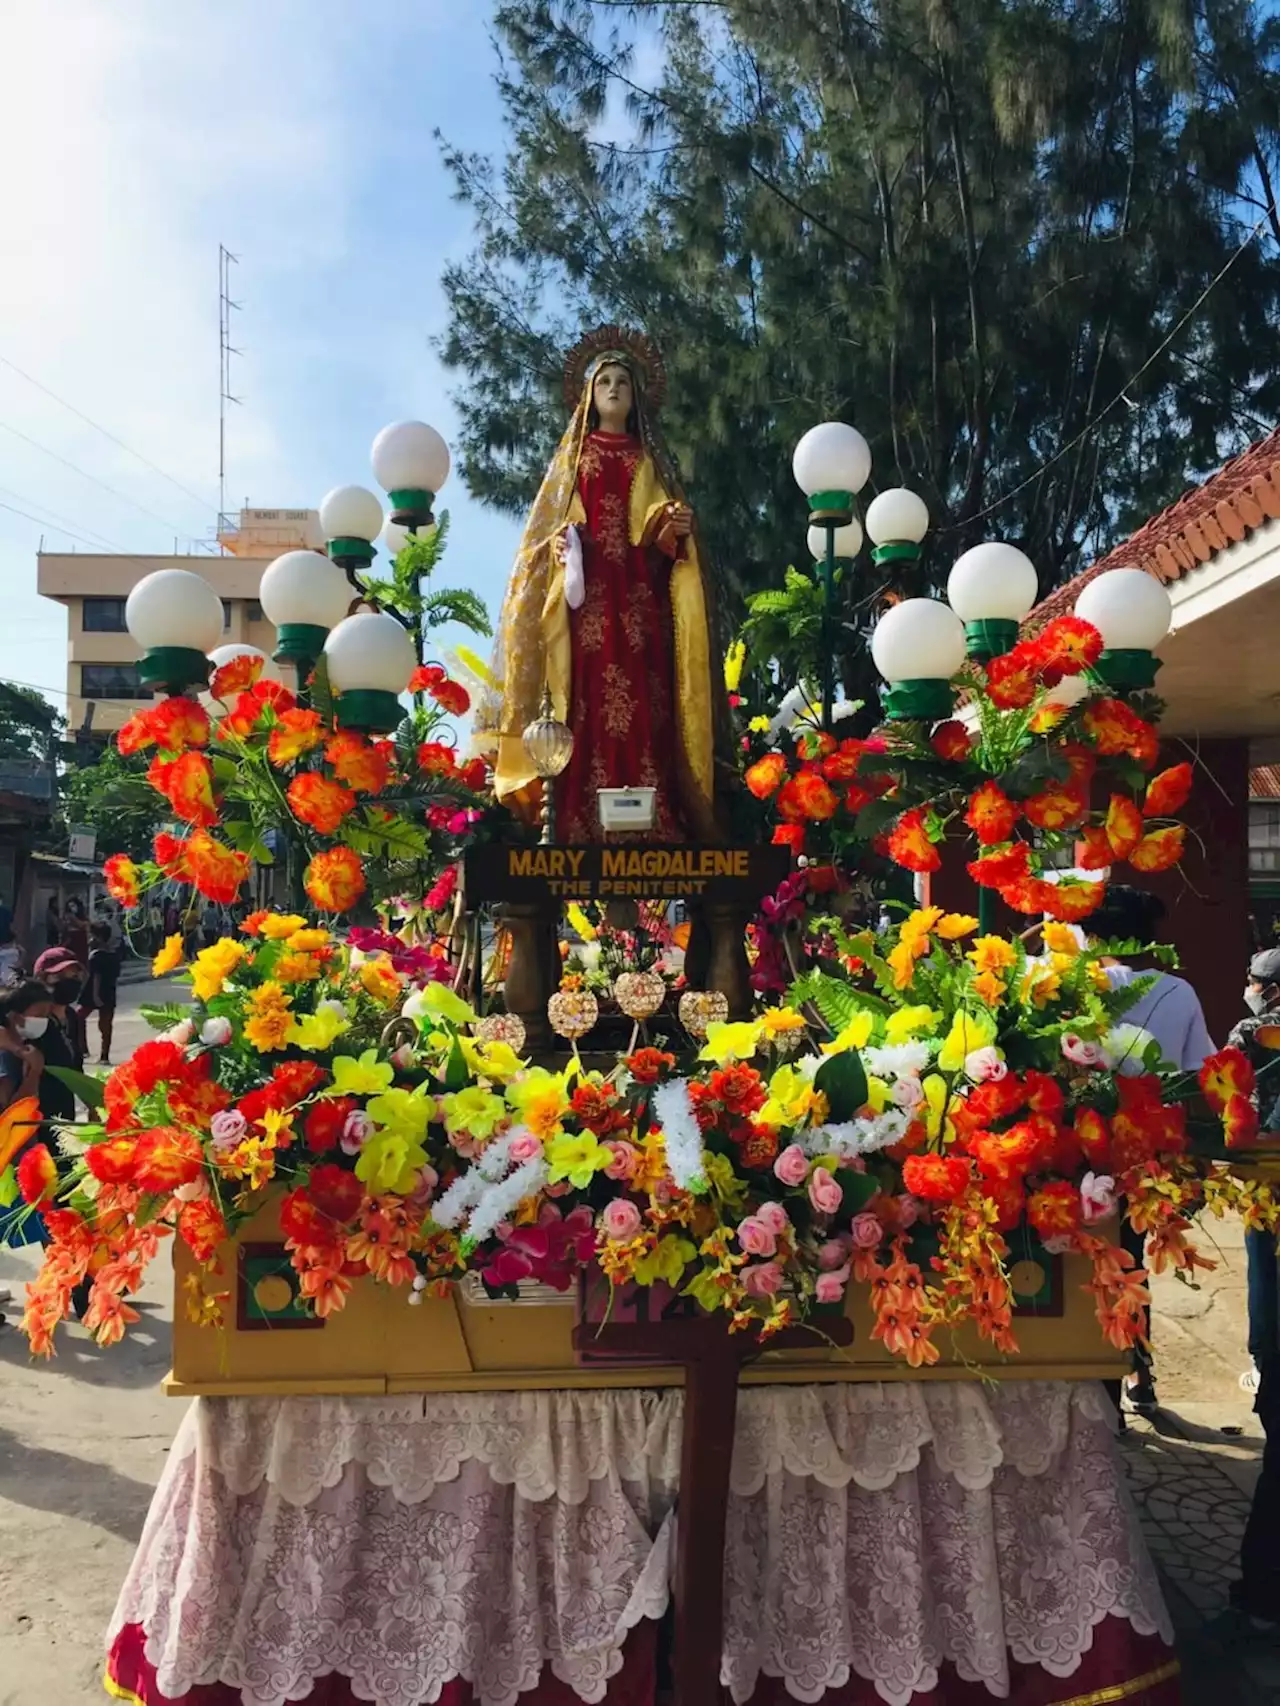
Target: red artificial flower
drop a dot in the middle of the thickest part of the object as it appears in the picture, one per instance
(436, 758)
(1123, 826)
(1160, 850)
(739, 1089)
(1044, 1094)
(1094, 1137)
(202, 1228)
(474, 774)
(1068, 645)
(1239, 1122)
(1093, 852)
(952, 741)
(1116, 728)
(135, 735)
(1005, 1154)
(425, 677)
(217, 871)
(37, 1175)
(991, 814)
(335, 1192)
(1080, 761)
(296, 731)
(121, 877)
(1012, 679)
(1055, 1210)
(335, 879)
(842, 764)
(1002, 870)
(296, 1080)
(237, 675)
(451, 696)
(442, 890)
(1056, 808)
(177, 724)
(597, 1107)
(171, 855)
(187, 783)
(647, 1065)
(167, 1158)
(789, 835)
(817, 800)
(325, 1120)
(320, 801)
(1168, 792)
(1069, 902)
(111, 1160)
(910, 846)
(365, 768)
(936, 1178)
(1226, 1074)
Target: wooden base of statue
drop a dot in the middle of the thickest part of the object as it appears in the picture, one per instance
(533, 969)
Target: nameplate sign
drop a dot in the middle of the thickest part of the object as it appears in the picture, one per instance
(528, 874)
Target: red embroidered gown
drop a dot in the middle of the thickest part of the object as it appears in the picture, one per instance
(622, 687)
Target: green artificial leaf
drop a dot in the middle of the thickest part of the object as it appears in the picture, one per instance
(321, 690)
(455, 1071)
(161, 1015)
(842, 1079)
(91, 1091)
(8, 1188)
(838, 1002)
(858, 1189)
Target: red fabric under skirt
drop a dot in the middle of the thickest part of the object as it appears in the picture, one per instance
(1121, 1666)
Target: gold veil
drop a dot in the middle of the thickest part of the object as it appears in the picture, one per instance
(532, 650)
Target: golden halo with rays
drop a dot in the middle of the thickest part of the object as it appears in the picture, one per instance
(637, 350)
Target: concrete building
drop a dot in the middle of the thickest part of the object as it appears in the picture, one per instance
(102, 657)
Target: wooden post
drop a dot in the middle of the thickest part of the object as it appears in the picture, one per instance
(728, 969)
(530, 985)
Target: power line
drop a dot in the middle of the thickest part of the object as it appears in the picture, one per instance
(44, 521)
(92, 478)
(98, 427)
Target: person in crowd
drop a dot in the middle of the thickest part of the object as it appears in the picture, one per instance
(100, 990)
(75, 931)
(66, 980)
(11, 959)
(1169, 1010)
(1257, 1593)
(24, 1020)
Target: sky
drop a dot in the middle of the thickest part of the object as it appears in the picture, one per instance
(138, 136)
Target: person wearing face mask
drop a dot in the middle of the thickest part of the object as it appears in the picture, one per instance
(65, 1041)
(24, 1020)
(1257, 1593)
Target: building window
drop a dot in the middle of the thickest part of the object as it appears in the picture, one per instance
(112, 681)
(104, 616)
(1264, 838)
(254, 610)
(226, 616)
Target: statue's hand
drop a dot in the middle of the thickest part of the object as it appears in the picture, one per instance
(681, 519)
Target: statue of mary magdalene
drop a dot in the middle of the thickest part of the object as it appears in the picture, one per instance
(606, 609)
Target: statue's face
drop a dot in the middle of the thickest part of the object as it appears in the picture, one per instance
(613, 394)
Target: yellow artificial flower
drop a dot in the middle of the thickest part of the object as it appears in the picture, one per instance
(319, 1030)
(213, 966)
(877, 1095)
(759, 725)
(439, 1001)
(1061, 939)
(478, 667)
(652, 1168)
(734, 659)
(541, 1100)
(293, 967)
(577, 1159)
(792, 1100)
(474, 1111)
(380, 980)
(498, 1062)
(367, 1076)
(1040, 985)
(856, 1034)
(969, 1031)
(993, 954)
(278, 1127)
(279, 926)
(390, 1161)
(908, 1022)
(902, 963)
(935, 1102)
(666, 1261)
(955, 925)
(270, 1020)
(731, 1042)
(990, 987)
(253, 1159)
(307, 941)
(406, 1113)
(169, 958)
(917, 925)
(581, 923)
(778, 1022)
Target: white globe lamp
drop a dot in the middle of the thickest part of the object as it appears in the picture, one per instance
(831, 463)
(394, 538)
(917, 647)
(411, 464)
(176, 617)
(304, 593)
(370, 658)
(1133, 612)
(846, 541)
(351, 519)
(991, 588)
(897, 521)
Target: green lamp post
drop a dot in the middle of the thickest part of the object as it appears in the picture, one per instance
(918, 646)
(305, 594)
(351, 519)
(897, 521)
(831, 464)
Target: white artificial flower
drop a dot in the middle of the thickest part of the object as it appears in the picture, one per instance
(896, 1060)
(1123, 1049)
(682, 1135)
(1098, 1196)
(907, 1093)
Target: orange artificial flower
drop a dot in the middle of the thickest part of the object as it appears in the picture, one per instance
(111, 1160)
(135, 735)
(1160, 850)
(171, 856)
(1001, 870)
(951, 740)
(237, 675)
(451, 696)
(991, 814)
(365, 768)
(812, 797)
(1239, 1122)
(1011, 679)
(1167, 793)
(335, 879)
(121, 877)
(936, 1178)
(202, 1228)
(216, 870)
(320, 801)
(1055, 1210)
(1056, 808)
(436, 758)
(1069, 644)
(1123, 826)
(296, 732)
(1070, 902)
(789, 835)
(1116, 728)
(177, 724)
(249, 707)
(37, 1175)
(1093, 852)
(252, 925)
(1226, 1074)
(167, 1158)
(187, 784)
(1094, 1137)
(910, 846)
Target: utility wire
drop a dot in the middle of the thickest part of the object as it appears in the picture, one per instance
(93, 479)
(205, 502)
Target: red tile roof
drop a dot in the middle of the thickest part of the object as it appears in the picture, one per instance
(1205, 520)
(1264, 782)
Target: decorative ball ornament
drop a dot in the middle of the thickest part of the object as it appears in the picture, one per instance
(700, 1009)
(848, 541)
(572, 1012)
(176, 617)
(370, 658)
(639, 993)
(502, 1028)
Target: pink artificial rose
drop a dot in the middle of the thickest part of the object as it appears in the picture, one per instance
(773, 1216)
(985, 1066)
(830, 1287)
(626, 1159)
(907, 1093)
(908, 1212)
(1097, 1196)
(756, 1238)
(792, 1165)
(866, 1231)
(620, 1220)
(825, 1195)
(181, 1033)
(403, 1058)
(356, 1128)
(833, 1254)
(422, 1192)
(226, 1128)
(763, 1280)
(524, 1146)
(1079, 1052)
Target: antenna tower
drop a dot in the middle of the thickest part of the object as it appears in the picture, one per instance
(226, 307)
